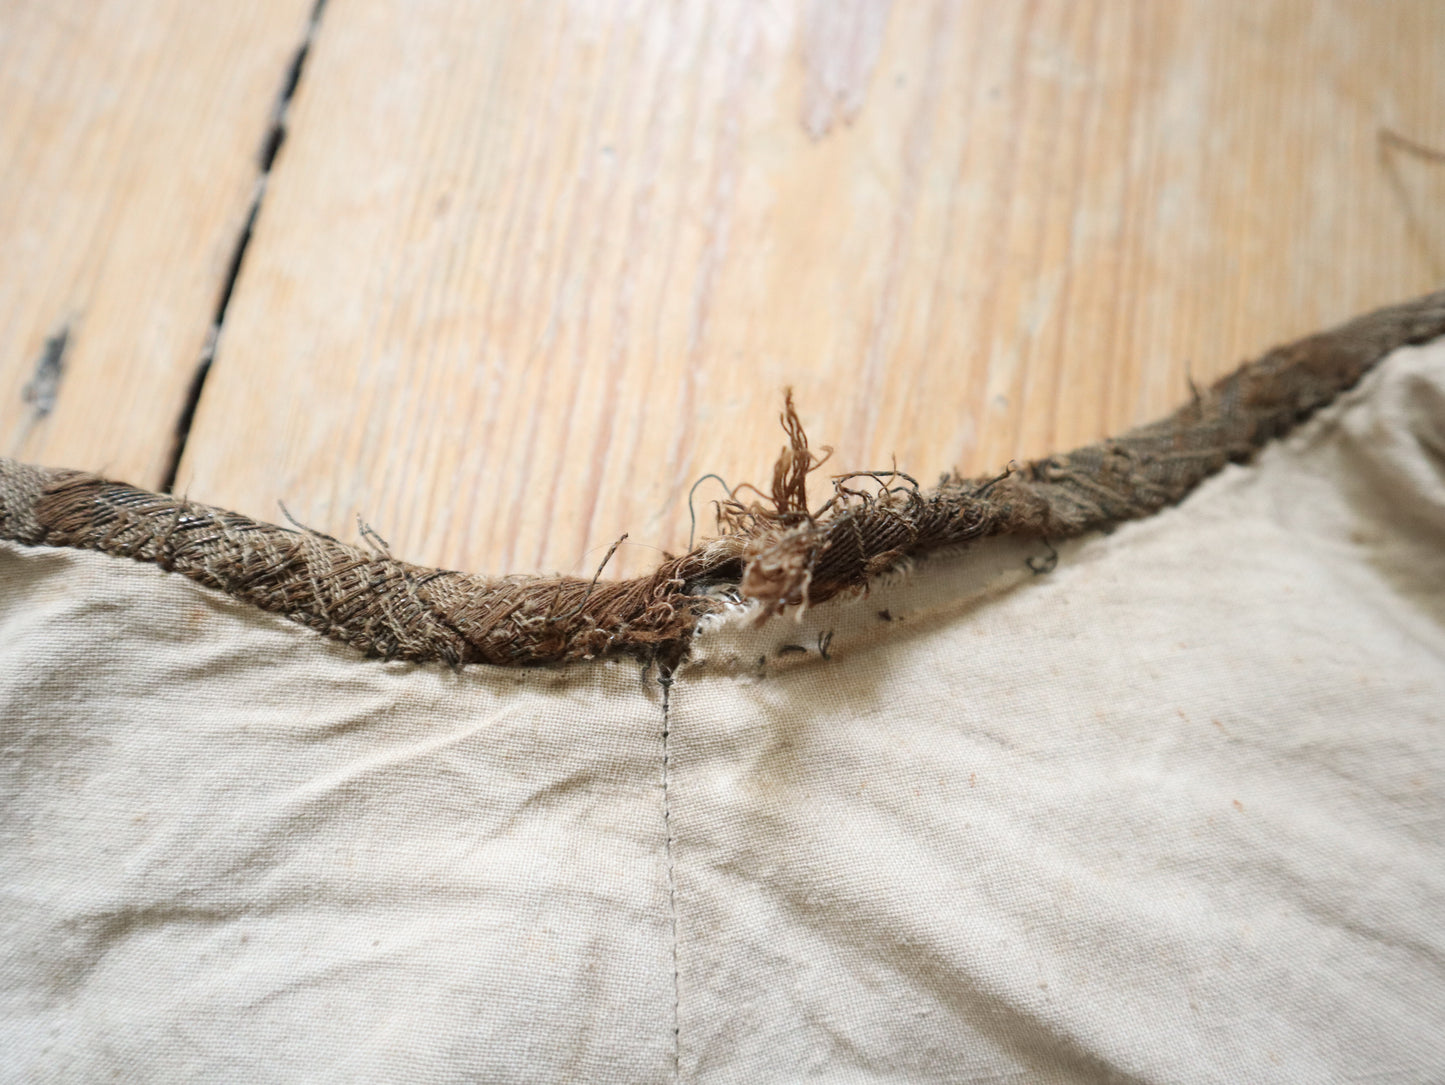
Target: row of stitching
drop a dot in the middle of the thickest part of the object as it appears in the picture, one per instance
(670, 846)
(776, 552)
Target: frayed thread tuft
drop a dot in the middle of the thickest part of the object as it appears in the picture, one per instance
(773, 551)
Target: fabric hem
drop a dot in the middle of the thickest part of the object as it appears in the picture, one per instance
(776, 553)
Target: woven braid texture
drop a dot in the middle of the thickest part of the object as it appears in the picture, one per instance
(775, 553)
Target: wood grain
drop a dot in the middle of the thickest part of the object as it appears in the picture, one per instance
(527, 271)
(129, 136)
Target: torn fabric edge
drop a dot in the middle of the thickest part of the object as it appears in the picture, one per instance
(776, 555)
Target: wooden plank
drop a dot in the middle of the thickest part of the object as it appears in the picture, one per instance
(528, 271)
(129, 138)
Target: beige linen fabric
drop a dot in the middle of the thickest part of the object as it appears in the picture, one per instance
(234, 851)
(1174, 812)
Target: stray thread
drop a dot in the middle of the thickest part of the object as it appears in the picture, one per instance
(691, 512)
(1046, 564)
(1415, 224)
(774, 551)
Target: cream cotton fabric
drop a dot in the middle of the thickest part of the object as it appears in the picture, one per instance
(1174, 812)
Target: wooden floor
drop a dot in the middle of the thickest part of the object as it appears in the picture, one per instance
(521, 273)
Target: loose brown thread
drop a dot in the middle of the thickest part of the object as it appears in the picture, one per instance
(1393, 144)
(775, 552)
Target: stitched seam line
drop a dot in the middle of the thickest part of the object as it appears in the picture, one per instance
(666, 683)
